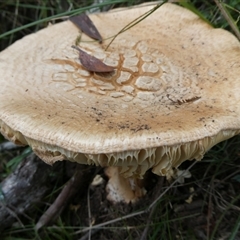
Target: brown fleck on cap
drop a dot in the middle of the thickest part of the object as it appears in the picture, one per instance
(174, 94)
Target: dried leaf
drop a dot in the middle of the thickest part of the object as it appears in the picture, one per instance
(91, 63)
(84, 23)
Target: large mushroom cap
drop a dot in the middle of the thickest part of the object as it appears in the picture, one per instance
(175, 92)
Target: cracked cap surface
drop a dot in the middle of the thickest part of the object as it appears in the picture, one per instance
(174, 94)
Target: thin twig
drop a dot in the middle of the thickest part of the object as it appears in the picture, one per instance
(144, 234)
(12, 213)
(89, 214)
(209, 211)
(110, 222)
(86, 236)
(136, 21)
(227, 177)
(76, 183)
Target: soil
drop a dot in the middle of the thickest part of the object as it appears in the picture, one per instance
(194, 207)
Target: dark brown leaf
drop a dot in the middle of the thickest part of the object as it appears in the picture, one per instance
(91, 63)
(84, 23)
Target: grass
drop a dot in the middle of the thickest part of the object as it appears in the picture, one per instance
(215, 183)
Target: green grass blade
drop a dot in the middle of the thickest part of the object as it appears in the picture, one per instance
(16, 160)
(70, 13)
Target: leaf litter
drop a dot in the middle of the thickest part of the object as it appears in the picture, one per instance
(84, 23)
(91, 63)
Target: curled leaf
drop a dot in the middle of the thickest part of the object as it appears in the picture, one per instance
(84, 23)
(91, 63)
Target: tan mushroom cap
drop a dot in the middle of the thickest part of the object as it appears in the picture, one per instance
(175, 92)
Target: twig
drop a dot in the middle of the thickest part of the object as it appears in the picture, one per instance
(86, 236)
(209, 211)
(144, 234)
(12, 213)
(89, 214)
(136, 21)
(98, 226)
(76, 183)
(227, 177)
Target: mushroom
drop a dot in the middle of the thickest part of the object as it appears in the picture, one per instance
(175, 93)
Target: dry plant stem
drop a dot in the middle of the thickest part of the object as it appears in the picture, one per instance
(89, 214)
(139, 212)
(159, 187)
(135, 21)
(86, 236)
(228, 177)
(210, 210)
(228, 19)
(82, 177)
(11, 213)
(218, 197)
(144, 234)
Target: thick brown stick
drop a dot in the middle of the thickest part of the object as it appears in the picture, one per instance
(77, 184)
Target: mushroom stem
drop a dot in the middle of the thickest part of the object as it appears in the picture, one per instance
(122, 189)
